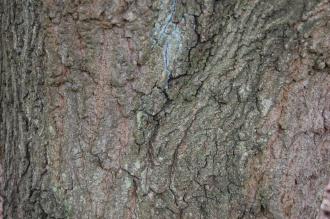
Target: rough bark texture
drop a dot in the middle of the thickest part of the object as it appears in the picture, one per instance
(325, 207)
(165, 108)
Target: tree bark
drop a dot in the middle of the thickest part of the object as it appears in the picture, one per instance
(165, 108)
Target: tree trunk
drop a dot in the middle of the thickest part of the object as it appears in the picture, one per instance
(164, 108)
